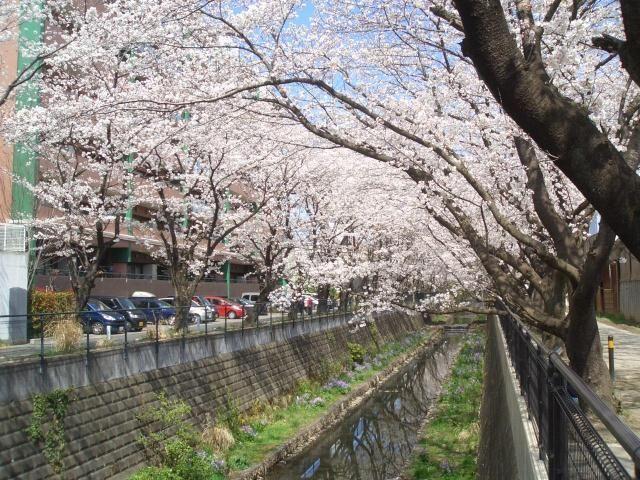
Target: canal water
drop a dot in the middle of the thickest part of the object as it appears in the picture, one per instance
(376, 441)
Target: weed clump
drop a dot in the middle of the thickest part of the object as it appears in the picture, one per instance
(66, 332)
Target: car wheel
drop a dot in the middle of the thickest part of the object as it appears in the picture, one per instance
(232, 315)
(97, 328)
(128, 326)
(196, 318)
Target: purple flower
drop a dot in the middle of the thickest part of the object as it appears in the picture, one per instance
(340, 384)
(316, 401)
(247, 429)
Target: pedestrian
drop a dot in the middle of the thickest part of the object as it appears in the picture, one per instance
(308, 303)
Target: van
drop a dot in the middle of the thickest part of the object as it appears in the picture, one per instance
(250, 296)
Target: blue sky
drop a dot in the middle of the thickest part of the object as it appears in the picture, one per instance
(305, 13)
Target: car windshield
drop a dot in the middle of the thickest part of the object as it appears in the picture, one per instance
(126, 303)
(97, 305)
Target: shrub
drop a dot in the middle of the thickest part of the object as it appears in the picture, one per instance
(52, 302)
(66, 332)
(357, 352)
(49, 302)
(170, 416)
(188, 464)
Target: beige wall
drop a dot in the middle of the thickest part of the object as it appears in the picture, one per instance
(8, 67)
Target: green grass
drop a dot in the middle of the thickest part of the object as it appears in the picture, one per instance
(450, 441)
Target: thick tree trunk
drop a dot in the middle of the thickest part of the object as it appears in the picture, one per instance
(585, 351)
(582, 339)
(557, 124)
(183, 294)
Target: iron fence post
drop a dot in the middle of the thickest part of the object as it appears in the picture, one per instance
(86, 361)
(42, 344)
(540, 388)
(125, 338)
(557, 428)
(157, 339)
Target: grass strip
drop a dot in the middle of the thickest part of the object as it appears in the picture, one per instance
(449, 444)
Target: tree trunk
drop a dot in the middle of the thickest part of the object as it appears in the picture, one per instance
(582, 338)
(323, 296)
(585, 351)
(557, 124)
(183, 293)
(82, 291)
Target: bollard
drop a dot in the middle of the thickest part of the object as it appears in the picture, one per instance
(612, 366)
(108, 332)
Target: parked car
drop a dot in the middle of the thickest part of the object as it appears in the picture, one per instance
(226, 308)
(97, 317)
(197, 313)
(135, 319)
(203, 302)
(250, 299)
(242, 301)
(155, 309)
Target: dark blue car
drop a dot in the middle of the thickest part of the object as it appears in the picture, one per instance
(155, 309)
(97, 317)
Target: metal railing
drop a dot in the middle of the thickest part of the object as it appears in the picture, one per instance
(158, 327)
(555, 395)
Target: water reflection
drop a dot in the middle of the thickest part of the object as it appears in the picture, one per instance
(376, 441)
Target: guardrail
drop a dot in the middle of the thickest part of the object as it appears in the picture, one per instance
(569, 443)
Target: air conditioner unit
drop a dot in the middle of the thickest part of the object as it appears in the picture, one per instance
(13, 237)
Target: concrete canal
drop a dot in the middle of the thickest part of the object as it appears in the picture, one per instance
(376, 441)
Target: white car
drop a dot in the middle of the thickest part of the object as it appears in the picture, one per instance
(250, 296)
(197, 313)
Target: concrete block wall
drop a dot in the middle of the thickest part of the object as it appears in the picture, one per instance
(101, 425)
(507, 445)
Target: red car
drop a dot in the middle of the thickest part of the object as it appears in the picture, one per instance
(225, 308)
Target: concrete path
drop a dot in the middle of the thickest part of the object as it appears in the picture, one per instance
(627, 383)
(627, 367)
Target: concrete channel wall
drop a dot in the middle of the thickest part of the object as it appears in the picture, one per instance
(508, 447)
(101, 425)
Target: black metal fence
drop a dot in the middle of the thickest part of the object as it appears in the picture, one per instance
(557, 398)
(116, 328)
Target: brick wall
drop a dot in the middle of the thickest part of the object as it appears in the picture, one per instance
(101, 427)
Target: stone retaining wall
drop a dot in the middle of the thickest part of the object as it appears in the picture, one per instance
(101, 425)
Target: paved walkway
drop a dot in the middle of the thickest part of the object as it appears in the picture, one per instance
(627, 383)
(627, 366)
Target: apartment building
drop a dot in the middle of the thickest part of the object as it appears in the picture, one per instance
(128, 265)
